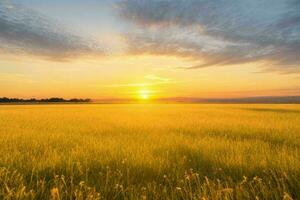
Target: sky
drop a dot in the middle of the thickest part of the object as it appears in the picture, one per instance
(103, 49)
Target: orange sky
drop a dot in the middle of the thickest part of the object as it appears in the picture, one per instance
(126, 76)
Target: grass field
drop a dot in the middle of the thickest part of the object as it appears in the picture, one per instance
(162, 151)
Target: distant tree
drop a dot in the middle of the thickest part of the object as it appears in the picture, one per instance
(49, 100)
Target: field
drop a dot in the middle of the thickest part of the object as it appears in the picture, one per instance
(163, 151)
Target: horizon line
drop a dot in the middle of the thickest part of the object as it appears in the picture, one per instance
(249, 99)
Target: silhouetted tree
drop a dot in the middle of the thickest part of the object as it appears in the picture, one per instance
(50, 100)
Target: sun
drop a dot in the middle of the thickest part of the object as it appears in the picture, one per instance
(144, 94)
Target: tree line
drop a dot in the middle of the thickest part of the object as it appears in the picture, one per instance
(48, 100)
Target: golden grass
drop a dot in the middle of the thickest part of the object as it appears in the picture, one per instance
(150, 151)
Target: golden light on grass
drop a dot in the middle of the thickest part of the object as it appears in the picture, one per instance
(100, 151)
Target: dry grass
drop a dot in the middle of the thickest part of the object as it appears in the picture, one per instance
(150, 152)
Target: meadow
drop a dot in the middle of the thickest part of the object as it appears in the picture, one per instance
(150, 151)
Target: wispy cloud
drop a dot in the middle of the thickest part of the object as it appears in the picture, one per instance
(25, 31)
(217, 32)
(212, 33)
(150, 80)
(153, 77)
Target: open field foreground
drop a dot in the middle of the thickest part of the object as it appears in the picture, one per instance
(165, 151)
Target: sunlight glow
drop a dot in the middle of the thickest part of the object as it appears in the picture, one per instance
(144, 94)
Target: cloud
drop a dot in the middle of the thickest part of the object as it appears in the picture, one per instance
(153, 77)
(216, 32)
(150, 80)
(25, 31)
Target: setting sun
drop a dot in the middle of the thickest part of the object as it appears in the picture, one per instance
(144, 94)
